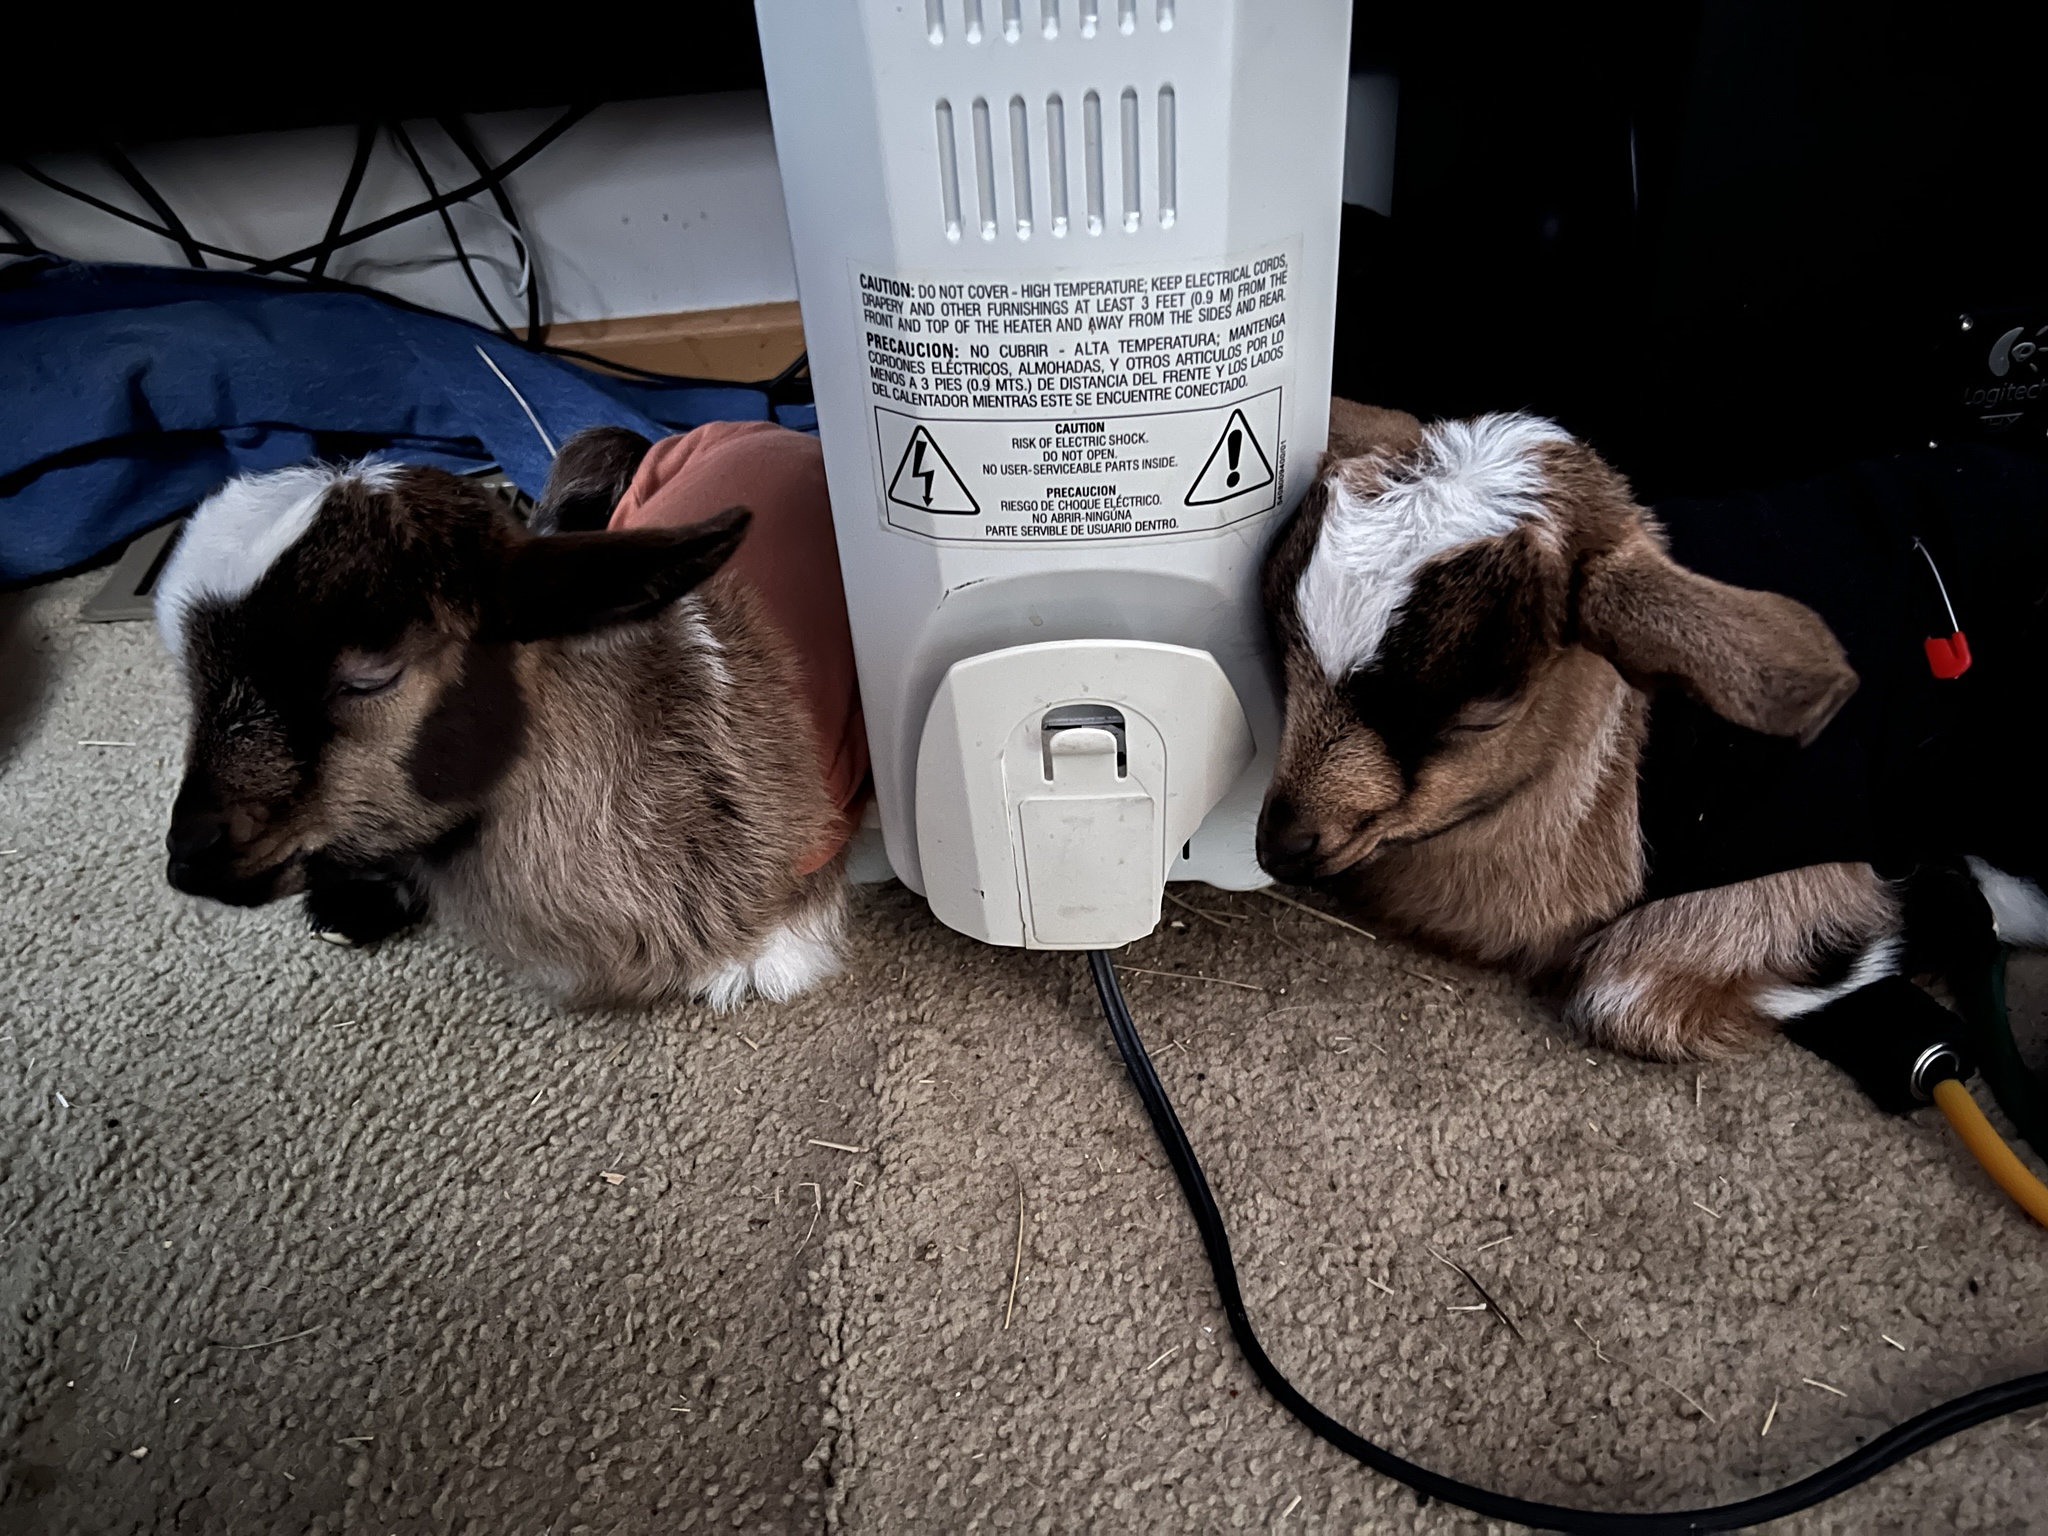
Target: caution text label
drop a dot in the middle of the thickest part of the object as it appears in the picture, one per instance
(1135, 404)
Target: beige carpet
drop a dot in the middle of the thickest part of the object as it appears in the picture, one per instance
(297, 1239)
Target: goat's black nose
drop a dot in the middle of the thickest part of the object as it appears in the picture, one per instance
(1285, 832)
(193, 837)
(1285, 839)
(1294, 842)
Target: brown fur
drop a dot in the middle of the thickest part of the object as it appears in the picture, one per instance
(1512, 837)
(1357, 429)
(640, 880)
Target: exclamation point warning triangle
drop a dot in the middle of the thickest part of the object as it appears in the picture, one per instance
(1236, 464)
(925, 480)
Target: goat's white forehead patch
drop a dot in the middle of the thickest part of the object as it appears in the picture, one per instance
(1468, 480)
(238, 532)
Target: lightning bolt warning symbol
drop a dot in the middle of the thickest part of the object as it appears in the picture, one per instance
(924, 478)
(918, 445)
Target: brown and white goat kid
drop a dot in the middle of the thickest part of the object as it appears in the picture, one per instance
(1474, 619)
(582, 748)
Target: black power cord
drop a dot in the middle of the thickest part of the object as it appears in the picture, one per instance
(1893, 1446)
(460, 136)
(490, 180)
(19, 244)
(359, 163)
(113, 154)
(476, 286)
(262, 266)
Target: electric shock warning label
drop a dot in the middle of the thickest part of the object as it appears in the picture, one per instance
(1143, 404)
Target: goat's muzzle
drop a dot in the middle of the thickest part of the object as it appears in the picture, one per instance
(205, 858)
(1289, 848)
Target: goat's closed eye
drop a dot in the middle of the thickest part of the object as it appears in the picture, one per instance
(359, 679)
(1483, 715)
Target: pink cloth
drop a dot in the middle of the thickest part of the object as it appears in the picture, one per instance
(791, 560)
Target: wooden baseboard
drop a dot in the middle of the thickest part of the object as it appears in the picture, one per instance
(752, 341)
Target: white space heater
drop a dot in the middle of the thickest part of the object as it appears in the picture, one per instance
(1068, 273)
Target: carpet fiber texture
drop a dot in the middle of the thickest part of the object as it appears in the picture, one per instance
(299, 1239)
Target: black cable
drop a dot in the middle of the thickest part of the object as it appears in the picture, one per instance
(463, 193)
(111, 153)
(789, 374)
(106, 207)
(460, 136)
(366, 145)
(285, 266)
(20, 245)
(680, 380)
(77, 195)
(1893, 1446)
(264, 266)
(448, 226)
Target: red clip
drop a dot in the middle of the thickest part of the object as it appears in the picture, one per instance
(1950, 658)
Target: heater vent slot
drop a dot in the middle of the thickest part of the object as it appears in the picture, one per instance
(1091, 157)
(949, 171)
(1128, 117)
(1169, 149)
(1020, 166)
(1056, 162)
(985, 168)
(1009, 24)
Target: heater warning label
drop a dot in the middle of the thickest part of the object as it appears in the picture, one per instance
(925, 481)
(1139, 405)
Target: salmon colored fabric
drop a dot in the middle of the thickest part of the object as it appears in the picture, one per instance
(789, 557)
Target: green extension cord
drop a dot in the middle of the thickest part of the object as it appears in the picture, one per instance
(2016, 1086)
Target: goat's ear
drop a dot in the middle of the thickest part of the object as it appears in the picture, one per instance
(1758, 659)
(1357, 429)
(572, 583)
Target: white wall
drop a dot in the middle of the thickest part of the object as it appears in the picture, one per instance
(644, 207)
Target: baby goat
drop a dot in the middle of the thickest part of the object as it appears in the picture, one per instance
(587, 749)
(1516, 727)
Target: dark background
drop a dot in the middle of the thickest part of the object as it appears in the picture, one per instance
(1820, 190)
(1729, 241)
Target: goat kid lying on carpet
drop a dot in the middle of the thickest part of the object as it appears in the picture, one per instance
(628, 761)
(1518, 728)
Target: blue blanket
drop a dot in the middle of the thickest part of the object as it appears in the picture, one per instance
(129, 393)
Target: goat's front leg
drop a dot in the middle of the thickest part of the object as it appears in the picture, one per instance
(362, 903)
(1702, 975)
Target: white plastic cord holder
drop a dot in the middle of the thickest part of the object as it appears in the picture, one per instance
(1057, 782)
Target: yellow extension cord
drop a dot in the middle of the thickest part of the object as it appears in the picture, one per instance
(2006, 1170)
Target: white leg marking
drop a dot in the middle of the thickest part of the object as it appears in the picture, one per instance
(794, 957)
(1879, 960)
(2019, 910)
